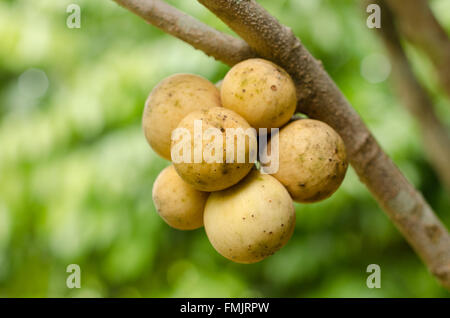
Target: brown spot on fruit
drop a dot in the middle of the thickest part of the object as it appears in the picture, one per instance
(224, 169)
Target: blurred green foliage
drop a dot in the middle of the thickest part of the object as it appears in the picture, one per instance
(76, 172)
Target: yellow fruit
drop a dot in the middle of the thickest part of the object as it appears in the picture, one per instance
(178, 204)
(261, 92)
(169, 102)
(209, 175)
(251, 220)
(312, 160)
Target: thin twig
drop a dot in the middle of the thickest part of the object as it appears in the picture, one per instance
(222, 47)
(416, 99)
(418, 23)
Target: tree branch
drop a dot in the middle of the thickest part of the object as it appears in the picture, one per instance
(320, 98)
(420, 26)
(222, 47)
(416, 99)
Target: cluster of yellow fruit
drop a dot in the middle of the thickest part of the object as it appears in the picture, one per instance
(248, 215)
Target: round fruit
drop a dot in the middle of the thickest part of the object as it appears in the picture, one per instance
(179, 204)
(261, 92)
(201, 159)
(169, 102)
(312, 160)
(251, 220)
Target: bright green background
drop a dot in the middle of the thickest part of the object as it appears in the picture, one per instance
(76, 172)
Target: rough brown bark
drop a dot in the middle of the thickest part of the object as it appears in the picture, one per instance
(418, 23)
(222, 47)
(416, 99)
(320, 98)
